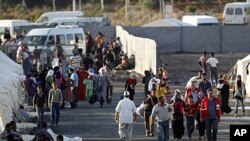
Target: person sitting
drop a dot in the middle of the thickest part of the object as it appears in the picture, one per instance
(6, 132)
(43, 132)
(59, 138)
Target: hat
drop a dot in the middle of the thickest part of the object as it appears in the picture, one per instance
(177, 91)
(126, 93)
(132, 76)
(209, 91)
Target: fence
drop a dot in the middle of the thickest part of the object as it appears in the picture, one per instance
(219, 39)
(144, 50)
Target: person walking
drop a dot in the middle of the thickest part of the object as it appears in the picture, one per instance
(161, 112)
(130, 85)
(239, 95)
(149, 103)
(204, 85)
(126, 117)
(161, 88)
(213, 63)
(55, 100)
(101, 90)
(39, 102)
(74, 86)
(190, 111)
(89, 86)
(202, 62)
(223, 90)
(210, 114)
(178, 112)
(81, 86)
(145, 81)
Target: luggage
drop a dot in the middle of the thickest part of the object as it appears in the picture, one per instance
(92, 99)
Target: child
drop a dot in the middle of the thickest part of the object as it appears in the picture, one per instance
(190, 112)
(89, 86)
(39, 101)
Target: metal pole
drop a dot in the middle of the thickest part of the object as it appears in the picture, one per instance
(160, 8)
(80, 5)
(1, 5)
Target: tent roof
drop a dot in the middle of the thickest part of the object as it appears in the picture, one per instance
(166, 23)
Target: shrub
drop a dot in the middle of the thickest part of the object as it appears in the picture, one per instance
(151, 4)
(190, 9)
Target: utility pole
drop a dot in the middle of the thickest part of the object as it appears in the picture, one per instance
(1, 5)
(54, 5)
(127, 10)
(24, 4)
(103, 7)
(74, 5)
(80, 5)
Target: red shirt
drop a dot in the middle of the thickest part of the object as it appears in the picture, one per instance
(190, 109)
(204, 108)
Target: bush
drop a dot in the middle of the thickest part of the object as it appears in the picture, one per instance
(151, 4)
(190, 9)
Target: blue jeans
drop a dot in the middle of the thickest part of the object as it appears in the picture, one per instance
(213, 74)
(190, 125)
(211, 123)
(55, 113)
(237, 104)
(163, 130)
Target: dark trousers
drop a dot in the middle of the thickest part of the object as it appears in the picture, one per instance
(131, 94)
(148, 123)
(190, 125)
(40, 111)
(75, 99)
(55, 113)
(109, 94)
(201, 125)
(211, 124)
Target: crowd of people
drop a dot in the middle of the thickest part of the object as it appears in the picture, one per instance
(61, 82)
(201, 104)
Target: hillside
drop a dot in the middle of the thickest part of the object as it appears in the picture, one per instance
(139, 12)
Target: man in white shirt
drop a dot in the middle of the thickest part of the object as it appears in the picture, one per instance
(213, 63)
(161, 112)
(126, 116)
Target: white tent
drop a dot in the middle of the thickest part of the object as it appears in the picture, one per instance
(10, 88)
(241, 70)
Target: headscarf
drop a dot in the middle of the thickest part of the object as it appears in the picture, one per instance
(177, 91)
(50, 73)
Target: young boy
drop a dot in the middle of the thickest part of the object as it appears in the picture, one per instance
(39, 102)
(190, 112)
(89, 86)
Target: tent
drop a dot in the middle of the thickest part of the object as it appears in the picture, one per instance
(10, 88)
(242, 70)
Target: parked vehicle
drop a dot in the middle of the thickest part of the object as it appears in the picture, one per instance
(11, 26)
(200, 20)
(81, 21)
(237, 13)
(65, 36)
(49, 16)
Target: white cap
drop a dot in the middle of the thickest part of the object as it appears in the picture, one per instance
(126, 93)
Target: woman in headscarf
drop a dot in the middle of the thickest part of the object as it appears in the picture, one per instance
(49, 78)
(223, 89)
(130, 85)
(81, 86)
(177, 123)
(67, 94)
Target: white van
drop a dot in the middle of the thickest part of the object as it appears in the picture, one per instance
(49, 16)
(199, 20)
(81, 21)
(11, 26)
(65, 36)
(236, 13)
